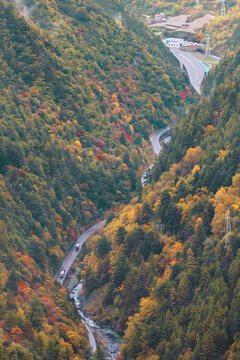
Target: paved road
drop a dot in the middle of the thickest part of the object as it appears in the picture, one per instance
(196, 72)
(157, 139)
(194, 67)
(71, 256)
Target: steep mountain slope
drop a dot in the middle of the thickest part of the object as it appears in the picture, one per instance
(66, 121)
(225, 30)
(78, 96)
(166, 274)
(170, 7)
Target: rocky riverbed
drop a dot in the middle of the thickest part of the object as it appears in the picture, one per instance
(109, 338)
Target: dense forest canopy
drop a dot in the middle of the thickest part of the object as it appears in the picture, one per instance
(171, 7)
(72, 119)
(164, 270)
(82, 86)
(225, 30)
(79, 96)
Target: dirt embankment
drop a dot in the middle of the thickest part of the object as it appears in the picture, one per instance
(182, 23)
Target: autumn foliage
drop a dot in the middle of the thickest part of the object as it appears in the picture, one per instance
(167, 277)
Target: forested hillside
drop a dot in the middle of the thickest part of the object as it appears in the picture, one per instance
(225, 30)
(164, 273)
(170, 7)
(68, 123)
(79, 96)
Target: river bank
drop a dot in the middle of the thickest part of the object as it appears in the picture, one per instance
(96, 333)
(110, 339)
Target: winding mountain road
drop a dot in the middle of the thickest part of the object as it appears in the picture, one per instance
(66, 266)
(73, 253)
(195, 68)
(157, 139)
(196, 72)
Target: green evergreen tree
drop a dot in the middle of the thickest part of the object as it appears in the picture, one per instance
(52, 349)
(36, 313)
(13, 280)
(120, 235)
(99, 355)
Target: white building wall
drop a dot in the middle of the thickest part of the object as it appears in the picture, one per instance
(174, 42)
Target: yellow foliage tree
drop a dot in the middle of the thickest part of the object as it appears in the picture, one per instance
(209, 130)
(78, 146)
(225, 198)
(191, 157)
(148, 307)
(74, 338)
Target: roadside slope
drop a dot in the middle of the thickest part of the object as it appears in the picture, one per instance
(74, 110)
(169, 277)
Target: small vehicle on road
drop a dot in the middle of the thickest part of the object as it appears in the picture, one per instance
(77, 247)
(62, 273)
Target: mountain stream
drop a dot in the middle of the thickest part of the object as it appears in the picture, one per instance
(109, 338)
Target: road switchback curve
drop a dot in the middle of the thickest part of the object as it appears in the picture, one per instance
(157, 139)
(195, 68)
